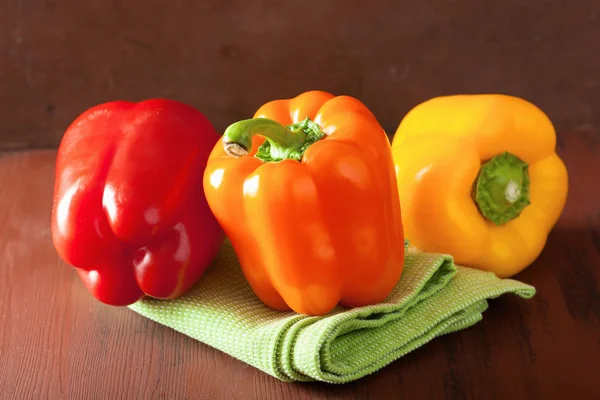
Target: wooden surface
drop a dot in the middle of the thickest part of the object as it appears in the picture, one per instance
(57, 342)
(58, 58)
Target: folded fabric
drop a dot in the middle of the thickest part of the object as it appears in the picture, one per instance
(434, 297)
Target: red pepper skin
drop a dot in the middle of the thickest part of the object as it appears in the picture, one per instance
(129, 211)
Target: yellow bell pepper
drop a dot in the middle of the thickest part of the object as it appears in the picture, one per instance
(479, 178)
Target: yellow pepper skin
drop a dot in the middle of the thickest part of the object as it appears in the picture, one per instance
(479, 178)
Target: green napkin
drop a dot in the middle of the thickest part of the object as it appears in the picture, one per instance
(433, 297)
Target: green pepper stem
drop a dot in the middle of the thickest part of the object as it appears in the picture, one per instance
(281, 142)
(502, 188)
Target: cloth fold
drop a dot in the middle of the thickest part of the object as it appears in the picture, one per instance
(433, 297)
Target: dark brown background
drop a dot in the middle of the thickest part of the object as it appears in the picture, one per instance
(228, 57)
(58, 58)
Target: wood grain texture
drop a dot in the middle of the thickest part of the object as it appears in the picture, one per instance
(226, 58)
(57, 342)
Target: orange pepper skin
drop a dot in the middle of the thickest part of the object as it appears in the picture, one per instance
(439, 149)
(321, 231)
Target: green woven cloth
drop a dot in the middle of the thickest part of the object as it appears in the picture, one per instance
(434, 297)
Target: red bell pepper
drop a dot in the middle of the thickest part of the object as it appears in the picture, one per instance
(129, 211)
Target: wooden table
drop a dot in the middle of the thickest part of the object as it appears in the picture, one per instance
(57, 342)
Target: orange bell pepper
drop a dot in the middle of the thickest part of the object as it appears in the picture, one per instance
(479, 178)
(311, 209)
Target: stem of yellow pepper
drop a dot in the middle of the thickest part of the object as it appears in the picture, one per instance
(281, 142)
(502, 188)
